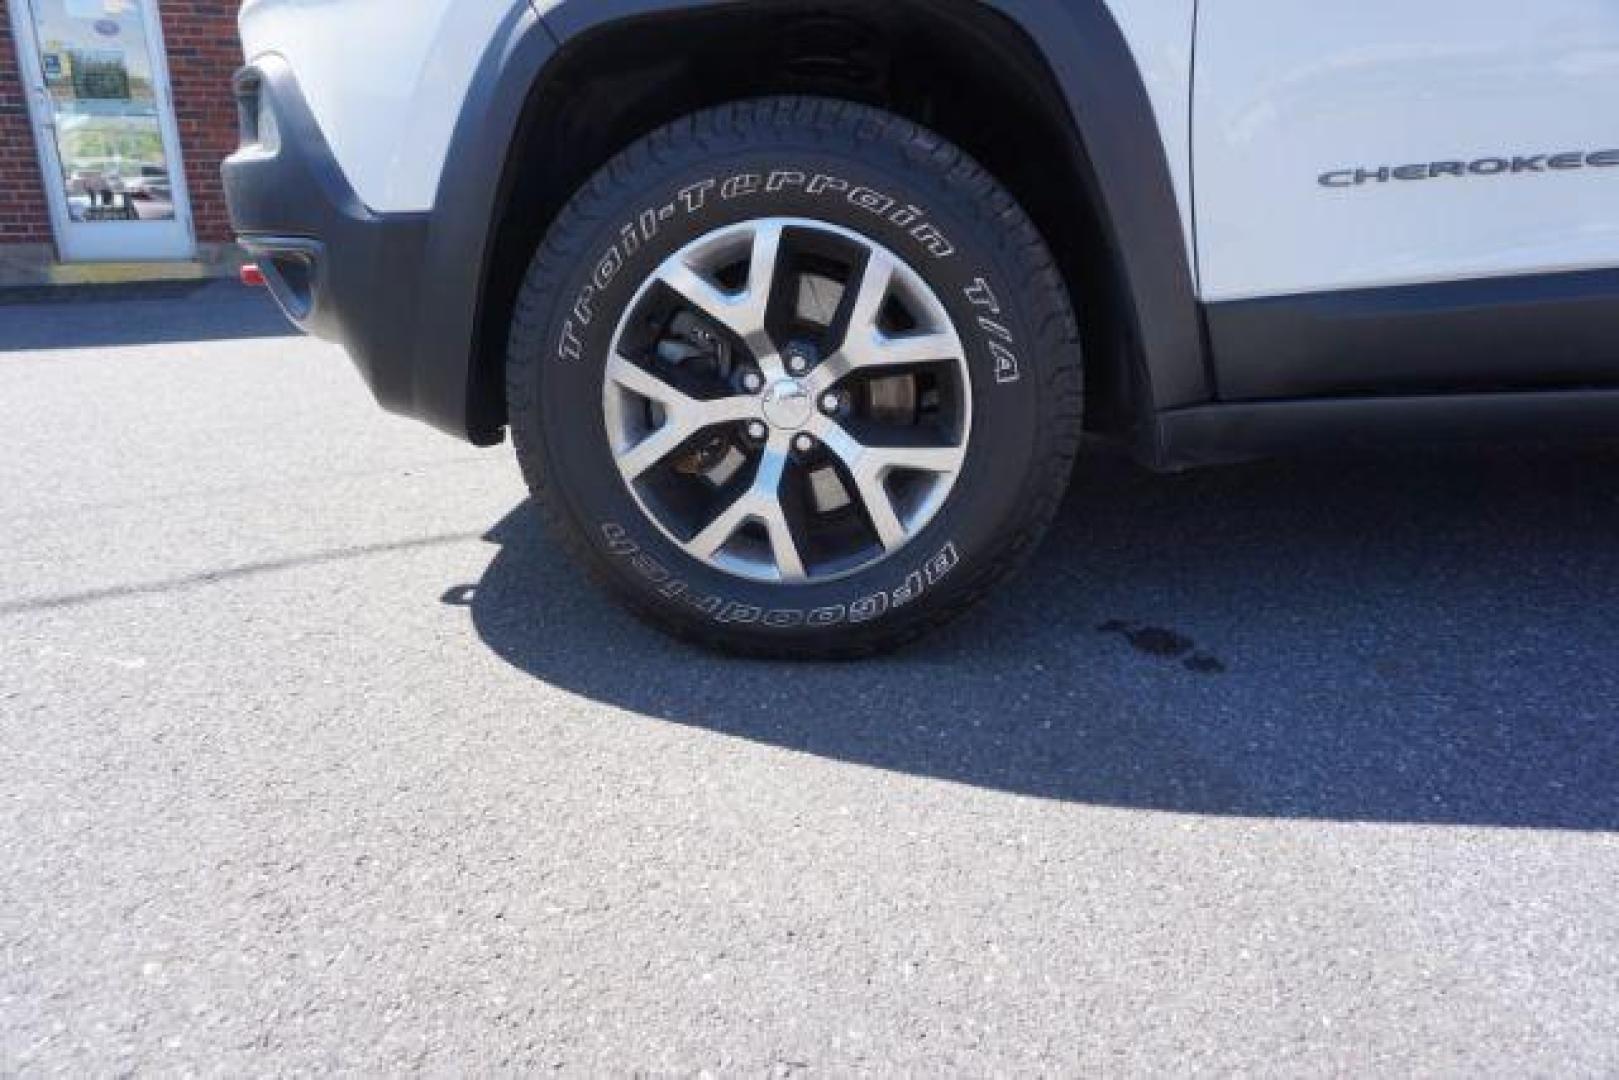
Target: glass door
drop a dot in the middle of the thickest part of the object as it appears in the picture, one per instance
(105, 128)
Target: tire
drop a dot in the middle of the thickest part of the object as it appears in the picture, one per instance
(847, 193)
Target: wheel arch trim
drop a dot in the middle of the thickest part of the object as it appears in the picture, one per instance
(1117, 141)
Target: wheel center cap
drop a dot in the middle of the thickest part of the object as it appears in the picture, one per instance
(787, 405)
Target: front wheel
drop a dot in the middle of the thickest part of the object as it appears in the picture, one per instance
(795, 378)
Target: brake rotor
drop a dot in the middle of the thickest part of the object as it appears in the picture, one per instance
(893, 400)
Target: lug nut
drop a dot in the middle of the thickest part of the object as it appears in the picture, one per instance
(797, 364)
(753, 382)
(804, 443)
(831, 403)
(757, 431)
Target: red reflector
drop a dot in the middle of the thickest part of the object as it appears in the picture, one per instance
(252, 275)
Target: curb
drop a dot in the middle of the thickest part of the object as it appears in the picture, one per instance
(36, 265)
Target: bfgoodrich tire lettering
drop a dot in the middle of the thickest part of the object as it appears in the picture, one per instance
(861, 172)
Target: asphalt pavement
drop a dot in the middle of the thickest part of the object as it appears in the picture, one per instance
(316, 755)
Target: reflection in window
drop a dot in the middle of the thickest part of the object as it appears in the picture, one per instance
(99, 75)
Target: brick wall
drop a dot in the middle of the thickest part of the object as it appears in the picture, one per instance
(204, 53)
(23, 216)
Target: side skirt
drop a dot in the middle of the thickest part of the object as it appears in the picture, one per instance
(1239, 431)
(1529, 332)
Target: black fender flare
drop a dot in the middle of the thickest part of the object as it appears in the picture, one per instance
(450, 394)
(1116, 136)
(1129, 176)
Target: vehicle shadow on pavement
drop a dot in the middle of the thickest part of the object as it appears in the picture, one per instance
(145, 313)
(1428, 639)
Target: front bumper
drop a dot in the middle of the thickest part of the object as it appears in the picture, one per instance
(339, 270)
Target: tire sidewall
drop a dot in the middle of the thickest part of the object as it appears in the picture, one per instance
(893, 201)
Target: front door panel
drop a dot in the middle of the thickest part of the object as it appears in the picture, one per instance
(1392, 142)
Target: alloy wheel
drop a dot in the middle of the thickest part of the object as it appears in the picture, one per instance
(788, 401)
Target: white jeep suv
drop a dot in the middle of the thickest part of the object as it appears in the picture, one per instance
(797, 310)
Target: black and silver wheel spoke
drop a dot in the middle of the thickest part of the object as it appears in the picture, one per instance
(867, 347)
(871, 468)
(743, 312)
(760, 505)
(684, 417)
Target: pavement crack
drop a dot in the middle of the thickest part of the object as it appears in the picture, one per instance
(215, 577)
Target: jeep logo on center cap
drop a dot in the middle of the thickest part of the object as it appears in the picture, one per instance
(787, 405)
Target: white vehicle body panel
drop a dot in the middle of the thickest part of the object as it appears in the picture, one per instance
(1288, 90)
(1254, 100)
(385, 80)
